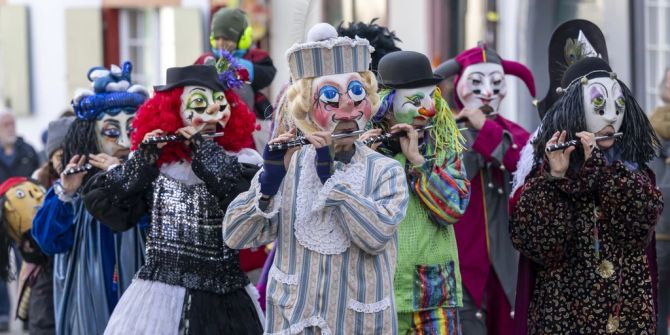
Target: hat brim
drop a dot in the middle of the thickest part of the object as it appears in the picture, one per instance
(436, 79)
(191, 82)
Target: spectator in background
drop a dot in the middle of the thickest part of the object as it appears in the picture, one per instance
(17, 159)
(660, 120)
(230, 31)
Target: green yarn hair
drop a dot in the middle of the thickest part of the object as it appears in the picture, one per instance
(445, 133)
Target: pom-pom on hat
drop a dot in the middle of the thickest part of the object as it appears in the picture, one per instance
(325, 54)
(112, 93)
(482, 54)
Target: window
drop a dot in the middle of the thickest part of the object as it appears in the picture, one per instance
(139, 43)
(656, 21)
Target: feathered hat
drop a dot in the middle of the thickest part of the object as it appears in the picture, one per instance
(571, 41)
(380, 38)
(483, 54)
(112, 92)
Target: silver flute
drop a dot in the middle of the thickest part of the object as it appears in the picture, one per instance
(302, 140)
(389, 135)
(78, 169)
(574, 143)
(175, 137)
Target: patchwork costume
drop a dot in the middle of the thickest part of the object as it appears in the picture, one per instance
(334, 220)
(427, 282)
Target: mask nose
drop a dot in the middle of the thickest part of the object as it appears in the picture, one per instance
(213, 109)
(123, 141)
(427, 112)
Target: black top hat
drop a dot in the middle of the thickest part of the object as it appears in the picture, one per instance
(192, 75)
(565, 49)
(406, 69)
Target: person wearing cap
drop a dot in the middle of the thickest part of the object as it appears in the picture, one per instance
(231, 35)
(92, 264)
(487, 258)
(427, 281)
(586, 214)
(333, 206)
(192, 283)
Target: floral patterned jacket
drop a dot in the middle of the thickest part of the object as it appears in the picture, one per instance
(555, 223)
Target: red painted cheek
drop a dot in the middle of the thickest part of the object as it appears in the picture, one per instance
(321, 116)
(463, 92)
(367, 109)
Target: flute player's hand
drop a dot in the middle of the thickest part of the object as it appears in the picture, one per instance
(274, 164)
(558, 160)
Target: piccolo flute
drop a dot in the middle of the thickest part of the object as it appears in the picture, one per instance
(301, 140)
(388, 136)
(78, 169)
(175, 137)
(571, 143)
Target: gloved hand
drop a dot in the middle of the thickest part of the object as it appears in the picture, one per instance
(273, 171)
(324, 163)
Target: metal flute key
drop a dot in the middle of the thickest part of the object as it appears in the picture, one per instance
(78, 169)
(175, 137)
(572, 143)
(388, 136)
(300, 141)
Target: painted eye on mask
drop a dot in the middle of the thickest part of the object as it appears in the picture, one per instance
(356, 91)
(111, 132)
(598, 102)
(20, 194)
(329, 95)
(219, 97)
(620, 102)
(198, 103)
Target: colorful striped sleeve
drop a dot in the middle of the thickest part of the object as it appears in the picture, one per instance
(443, 189)
(371, 220)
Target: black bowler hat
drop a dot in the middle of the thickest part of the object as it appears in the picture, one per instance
(192, 75)
(406, 69)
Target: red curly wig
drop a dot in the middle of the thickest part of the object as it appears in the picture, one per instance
(162, 112)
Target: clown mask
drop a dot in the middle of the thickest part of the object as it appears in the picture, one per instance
(341, 103)
(204, 109)
(414, 106)
(114, 133)
(482, 84)
(21, 204)
(604, 107)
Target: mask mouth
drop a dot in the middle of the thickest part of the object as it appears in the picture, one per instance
(606, 131)
(344, 127)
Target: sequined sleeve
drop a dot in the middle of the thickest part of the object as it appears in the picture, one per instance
(246, 224)
(442, 188)
(632, 202)
(220, 171)
(117, 198)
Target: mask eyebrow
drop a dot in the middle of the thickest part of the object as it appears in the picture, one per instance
(197, 88)
(112, 121)
(600, 87)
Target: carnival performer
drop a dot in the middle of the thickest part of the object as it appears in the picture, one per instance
(333, 206)
(191, 283)
(586, 214)
(92, 264)
(427, 281)
(488, 261)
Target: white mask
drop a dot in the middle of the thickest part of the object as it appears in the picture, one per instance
(203, 108)
(482, 84)
(604, 105)
(114, 133)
